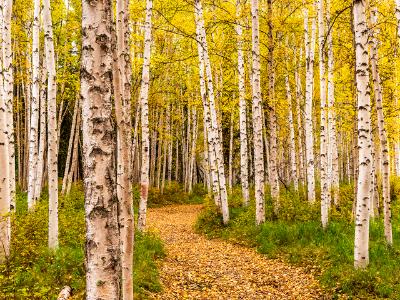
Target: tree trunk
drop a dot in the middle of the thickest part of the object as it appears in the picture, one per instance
(72, 136)
(34, 109)
(385, 164)
(122, 99)
(325, 195)
(244, 167)
(214, 134)
(292, 142)
(333, 156)
(52, 152)
(43, 132)
(361, 257)
(8, 85)
(257, 117)
(144, 93)
(309, 131)
(103, 269)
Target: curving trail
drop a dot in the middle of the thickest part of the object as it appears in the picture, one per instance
(198, 268)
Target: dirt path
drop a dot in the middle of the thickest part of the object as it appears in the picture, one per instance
(198, 268)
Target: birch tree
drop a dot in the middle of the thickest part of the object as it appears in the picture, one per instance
(333, 156)
(309, 131)
(325, 195)
(101, 208)
(52, 150)
(244, 167)
(144, 94)
(122, 99)
(8, 86)
(361, 240)
(34, 108)
(385, 164)
(257, 116)
(5, 194)
(213, 133)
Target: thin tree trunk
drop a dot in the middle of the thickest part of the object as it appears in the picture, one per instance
(72, 137)
(214, 123)
(122, 100)
(75, 154)
(292, 142)
(325, 195)
(244, 167)
(42, 138)
(52, 154)
(309, 131)
(257, 117)
(385, 164)
(144, 92)
(333, 156)
(5, 199)
(230, 181)
(8, 85)
(361, 241)
(34, 117)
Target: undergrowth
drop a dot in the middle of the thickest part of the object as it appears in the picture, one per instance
(295, 234)
(34, 272)
(173, 193)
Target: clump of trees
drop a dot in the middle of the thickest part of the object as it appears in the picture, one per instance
(220, 93)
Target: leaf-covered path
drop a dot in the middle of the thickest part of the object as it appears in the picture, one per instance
(198, 268)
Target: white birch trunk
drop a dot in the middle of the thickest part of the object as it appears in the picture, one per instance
(9, 95)
(214, 134)
(257, 117)
(309, 131)
(103, 270)
(5, 194)
(333, 156)
(385, 163)
(361, 255)
(144, 93)
(122, 100)
(52, 150)
(325, 195)
(42, 138)
(292, 142)
(208, 127)
(244, 166)
(34, 118)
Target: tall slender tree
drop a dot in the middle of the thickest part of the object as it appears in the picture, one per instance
(257, 116)
(361, 253)
(144, 107)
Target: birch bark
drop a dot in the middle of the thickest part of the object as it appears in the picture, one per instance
(214, 133)
(385, 163)
(101, 205)
(257, 117)
(244, 167)
(34, 109)
(52, 150)
(309, 132)
(325, 195)
(144, 93)
(122, 101)
(361, 255)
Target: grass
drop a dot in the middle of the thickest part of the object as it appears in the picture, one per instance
(34, 272)
(296, 235)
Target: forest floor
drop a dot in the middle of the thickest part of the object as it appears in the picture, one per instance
(198, 268)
